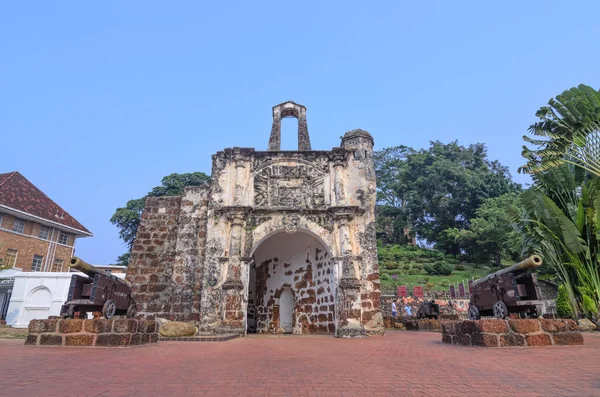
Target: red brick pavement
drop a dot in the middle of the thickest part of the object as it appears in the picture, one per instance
(397, 364)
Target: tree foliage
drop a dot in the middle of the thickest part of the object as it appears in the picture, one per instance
(568, 133)
(490, 235)
(561, 221)
(431, 190)
(127, 218)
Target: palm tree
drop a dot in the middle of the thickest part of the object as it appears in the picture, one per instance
(568, 132)
(561, 222)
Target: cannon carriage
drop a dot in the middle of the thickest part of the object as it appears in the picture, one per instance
(514, 290)
(428, 309)
(101, 291)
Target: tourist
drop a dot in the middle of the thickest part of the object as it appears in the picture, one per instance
(408, 311)
(394, 309)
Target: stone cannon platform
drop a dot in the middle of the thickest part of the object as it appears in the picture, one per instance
(122, 332)
(511, 333)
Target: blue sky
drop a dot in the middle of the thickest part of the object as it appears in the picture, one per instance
(100, 100)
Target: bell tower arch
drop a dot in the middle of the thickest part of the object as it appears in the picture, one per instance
(289, 109)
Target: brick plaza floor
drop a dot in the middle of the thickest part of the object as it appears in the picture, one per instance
(397, 364)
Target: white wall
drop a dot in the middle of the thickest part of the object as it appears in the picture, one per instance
(37, 295)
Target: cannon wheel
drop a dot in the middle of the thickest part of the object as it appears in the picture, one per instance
(109, 309)
(131, 311)
(474, 313)
(500, 310)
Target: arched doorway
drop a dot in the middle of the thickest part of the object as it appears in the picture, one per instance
(286, 310)
(291, 286)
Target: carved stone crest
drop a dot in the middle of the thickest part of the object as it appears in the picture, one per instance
(289, 186)
(290, 223)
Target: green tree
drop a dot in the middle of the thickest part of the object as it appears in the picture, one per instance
(432, 190)
(568, 133)
(127, 218)
(490, 235)
(392, 194)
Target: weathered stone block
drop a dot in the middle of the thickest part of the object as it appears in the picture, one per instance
(511, 340)
(153, 338)
(177, 328)
(70, 326)
(585, 325)
(571, 338)
(447, 338)
(125, 325)
(484, 340)
(136, 339)
(98, 326)
(79, 340)
(467, 327)
(464, 340)
(450, 327)
(39, 326)
(538, 340)
(550, 325)
(571, 325)
(32, 340)
(107, 340)
(493, 326)
(50, 340)
(524, 326)
(147, 326)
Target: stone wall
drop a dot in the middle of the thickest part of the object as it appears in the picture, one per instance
(511, 333)
(164, 267)
(301, 263)
(97, 332)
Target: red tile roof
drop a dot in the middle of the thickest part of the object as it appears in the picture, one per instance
(18, 193)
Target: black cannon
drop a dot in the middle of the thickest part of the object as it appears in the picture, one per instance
(101, 291)
(428, 309)
(514, 290)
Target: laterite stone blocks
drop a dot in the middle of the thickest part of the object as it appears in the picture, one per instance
(511, 333)
(120, 332)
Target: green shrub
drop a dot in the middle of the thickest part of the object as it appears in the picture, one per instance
(439, 268)
(418, 266)
(391, 265)
(406, 267)
(452, 261)
(413, 272)
(384, 276)
(460, 268)
(563, 305)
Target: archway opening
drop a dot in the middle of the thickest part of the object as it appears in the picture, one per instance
(289, 133)
(291, 286)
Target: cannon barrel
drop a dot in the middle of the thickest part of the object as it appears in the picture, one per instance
(90, 270)
(534, 261)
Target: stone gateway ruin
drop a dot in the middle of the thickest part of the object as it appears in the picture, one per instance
(279, 242)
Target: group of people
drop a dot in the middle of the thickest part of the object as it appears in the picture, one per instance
(407, 308)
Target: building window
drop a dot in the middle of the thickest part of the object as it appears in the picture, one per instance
(63, 238)
(44, 232)
(19, 226)
(57, 265)
(11, 258)
(36, 265)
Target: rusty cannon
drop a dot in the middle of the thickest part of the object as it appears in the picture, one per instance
(100, 291)
(428, 309)
(513, 290)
